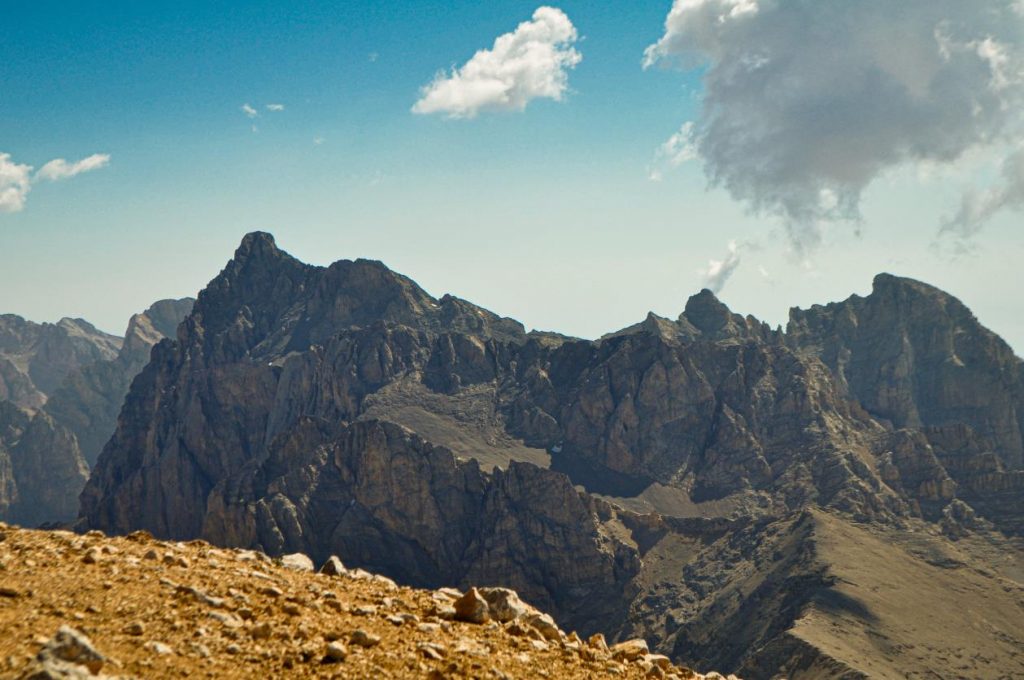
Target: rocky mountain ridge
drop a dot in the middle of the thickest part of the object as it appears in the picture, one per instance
(675, 480)
(74, 379)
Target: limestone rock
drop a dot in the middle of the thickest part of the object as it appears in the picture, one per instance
(472, 607)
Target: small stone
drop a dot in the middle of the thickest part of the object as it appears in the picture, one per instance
(233, 649)
(659, 660)
(7, 591)
(74, 647)
(545, 625)
(597, 642)
(182, 562)
(432, 650)
(92, 556)
(539, 645)
(429, 628)
(333, 567)
(200, 649)
(291, 609)
(135, 628)
(630, 650)
(271, 591)
(336, 651)
(159, 648)
(363, 639)
(262, 631)
(472, 607)
(297, 561)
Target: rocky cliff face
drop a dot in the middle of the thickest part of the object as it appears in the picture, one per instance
(663, 481)
(53, 434)
(916, 358)
(41, 468)
(88, 400)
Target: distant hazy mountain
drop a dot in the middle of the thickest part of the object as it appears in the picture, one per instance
(844, 498)
(35, 358)
(59, 400)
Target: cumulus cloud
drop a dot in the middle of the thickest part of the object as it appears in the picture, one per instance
(806, 103)
(59, 168)
(675, 151)
(718, 272)
(529, 63)
(249, 111)
(977, 207)
(16, 179)
(14, 184)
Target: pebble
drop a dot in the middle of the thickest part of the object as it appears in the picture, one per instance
(363, 639)
(159, 648)
(432, 650)
(336, 651)
(333, 567)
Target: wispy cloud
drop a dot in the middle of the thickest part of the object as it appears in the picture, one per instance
(807, 103)
(16, 179)
(529, 63)
(676, 150)
(59, 168)
(979, 206)
(275, 107)
(249, 111)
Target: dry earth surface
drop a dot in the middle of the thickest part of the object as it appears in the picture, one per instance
(76, 606)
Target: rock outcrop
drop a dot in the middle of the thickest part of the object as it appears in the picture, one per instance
(666, 481)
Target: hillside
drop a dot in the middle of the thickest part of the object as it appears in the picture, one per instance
(138, 607)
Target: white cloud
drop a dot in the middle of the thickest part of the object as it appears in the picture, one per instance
(14, 184)
(275, 107)
(16, 179)
(249, 111)
(59, 168)
(317, 141)
(807, 103)
(977, 207)
(676, 150)
(531, 62)
(718, 272)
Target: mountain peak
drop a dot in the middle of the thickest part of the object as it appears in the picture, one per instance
(255, 244)
(706, 312)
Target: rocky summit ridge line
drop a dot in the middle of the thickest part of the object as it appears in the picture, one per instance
(704, 482)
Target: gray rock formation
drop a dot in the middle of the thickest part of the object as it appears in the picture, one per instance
(35, 358)
(59, 403)
(88, 400)
(695, 482)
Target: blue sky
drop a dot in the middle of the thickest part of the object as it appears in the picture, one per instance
(546, 214)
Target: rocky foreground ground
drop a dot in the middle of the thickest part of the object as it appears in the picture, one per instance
(85, 606)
